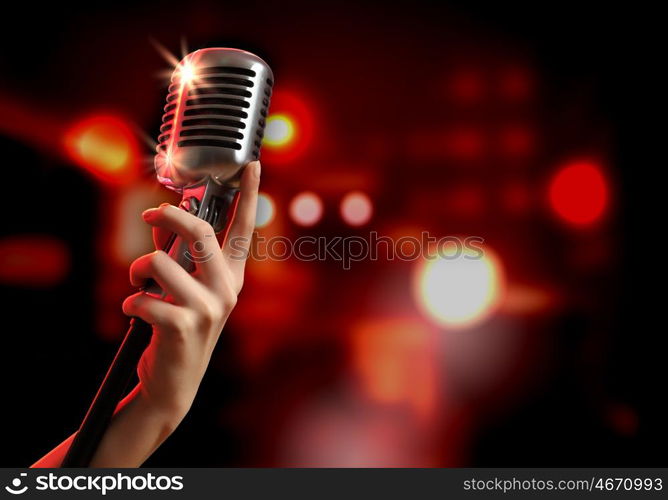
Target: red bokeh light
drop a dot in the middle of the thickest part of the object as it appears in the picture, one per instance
(578, 193)
(516, 197)
(394, 359)
(467, 86)
(106, 147)
(33, 261)
(466, 200)
(623, 419)
(516, 141)
(465, 143)
(516, 83)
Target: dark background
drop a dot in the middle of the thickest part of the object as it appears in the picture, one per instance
(587, 386)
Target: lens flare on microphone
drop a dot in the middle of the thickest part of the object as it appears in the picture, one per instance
(459, 289)
(356, 208)
(306, 209)
(171, 59)
(265, 210)
(187, 73)
(280, 131)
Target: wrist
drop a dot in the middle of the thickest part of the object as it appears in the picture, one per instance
(137, 429)
(164, 415)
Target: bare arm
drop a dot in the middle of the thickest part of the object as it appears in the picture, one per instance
(136, 428)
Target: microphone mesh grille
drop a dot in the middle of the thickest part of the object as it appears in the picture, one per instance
(215, 109)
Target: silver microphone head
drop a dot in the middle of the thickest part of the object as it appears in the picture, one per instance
(214, 118)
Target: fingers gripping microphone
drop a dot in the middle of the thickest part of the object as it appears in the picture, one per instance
(214, 121)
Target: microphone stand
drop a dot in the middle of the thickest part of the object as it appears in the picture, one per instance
(207, 200)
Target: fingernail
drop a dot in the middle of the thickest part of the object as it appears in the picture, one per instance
(148, 214)
(257, 169)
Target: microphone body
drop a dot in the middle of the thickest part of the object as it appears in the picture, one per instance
(214, 121)
(214, 118)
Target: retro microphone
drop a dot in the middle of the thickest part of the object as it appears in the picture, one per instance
(214, 121)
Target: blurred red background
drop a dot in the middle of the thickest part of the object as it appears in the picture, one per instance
(452, 119)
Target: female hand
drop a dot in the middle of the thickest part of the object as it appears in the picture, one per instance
(186, 326)
(188, 322)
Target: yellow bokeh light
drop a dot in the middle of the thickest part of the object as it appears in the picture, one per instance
(106, 153)
(459, 291)
(280, 131)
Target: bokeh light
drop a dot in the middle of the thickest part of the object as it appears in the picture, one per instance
(467, 86)
(266, 209)
(33, 260)
(289, 131)
(280, 131)
(306, 209)
(578, 193)
(465, 143)
(105, 146)
(516, 140)
(515, 83)
(395, 361)
(459, 290)
(356, 208)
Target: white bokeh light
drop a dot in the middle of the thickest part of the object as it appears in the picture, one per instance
(306, 209)
(461, 291)
(356, 208)
(266, 210)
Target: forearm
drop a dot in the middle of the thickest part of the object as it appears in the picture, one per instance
(136, 430)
